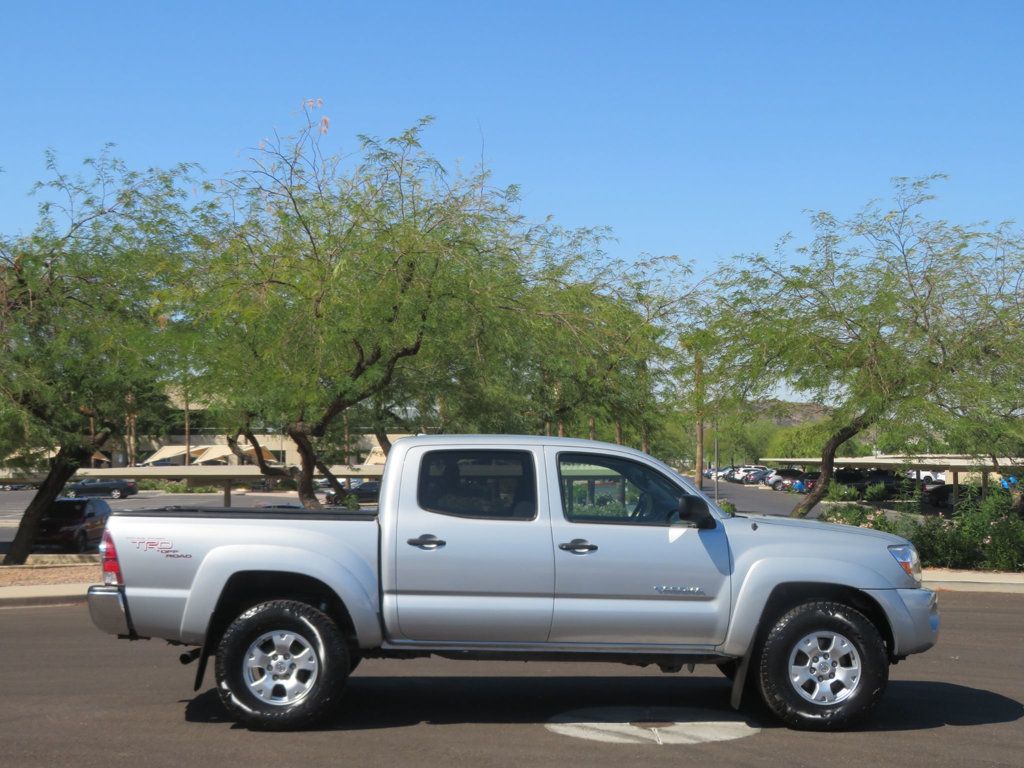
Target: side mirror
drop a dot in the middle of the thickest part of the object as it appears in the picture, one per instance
(694, 510)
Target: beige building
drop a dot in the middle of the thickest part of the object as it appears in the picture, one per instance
(206, 450)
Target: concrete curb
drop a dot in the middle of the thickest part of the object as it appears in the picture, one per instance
(43, 594)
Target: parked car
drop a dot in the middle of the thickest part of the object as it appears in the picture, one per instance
(941, 495)
(367, 492)
(16, 486)
(74, 525)
(737, 474)
(752, 478)
(115, 488)
(928, 476)
(803, 483)
(777, 477)
(893, 483)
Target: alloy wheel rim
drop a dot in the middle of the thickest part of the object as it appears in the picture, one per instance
(824, 668)
(280, 667)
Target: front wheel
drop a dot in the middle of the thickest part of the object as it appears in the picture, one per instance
(281, 665)
(116, 494)
(823, 666)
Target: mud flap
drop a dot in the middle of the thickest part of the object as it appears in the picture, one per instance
(738, 682)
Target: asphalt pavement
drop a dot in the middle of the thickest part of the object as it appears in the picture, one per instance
(76, 697)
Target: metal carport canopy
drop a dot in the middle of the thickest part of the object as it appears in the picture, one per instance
(935, 462)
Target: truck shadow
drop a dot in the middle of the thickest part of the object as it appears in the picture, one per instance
(373, 702)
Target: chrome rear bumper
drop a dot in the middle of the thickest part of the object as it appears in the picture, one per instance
(108, 611)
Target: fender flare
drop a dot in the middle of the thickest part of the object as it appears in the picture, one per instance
(223, 562)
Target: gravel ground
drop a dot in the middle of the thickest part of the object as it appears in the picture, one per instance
(26, 576)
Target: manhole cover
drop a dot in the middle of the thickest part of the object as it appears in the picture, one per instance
(650, 725)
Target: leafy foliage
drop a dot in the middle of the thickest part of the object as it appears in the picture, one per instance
(982, 533)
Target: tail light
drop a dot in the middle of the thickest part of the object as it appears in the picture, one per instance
(111, 567)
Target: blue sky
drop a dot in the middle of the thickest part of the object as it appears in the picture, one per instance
(699, 129)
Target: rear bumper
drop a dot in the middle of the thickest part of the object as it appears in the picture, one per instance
(109, 611)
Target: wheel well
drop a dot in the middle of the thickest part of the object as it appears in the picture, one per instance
(248, 588)
(786, 596)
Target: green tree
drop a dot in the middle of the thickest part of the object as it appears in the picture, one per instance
(332, 277)
(77, 322)
(874, 318)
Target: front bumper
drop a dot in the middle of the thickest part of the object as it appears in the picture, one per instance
(914, 617)
(109, 611)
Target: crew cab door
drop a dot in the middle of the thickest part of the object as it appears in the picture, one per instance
(628, 571)
(473, 548)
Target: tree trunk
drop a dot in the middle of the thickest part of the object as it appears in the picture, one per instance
(593, 428)
(188, 433)
(698, 458)
(382, 439)
(561, 428)
(348, 440)
(62, 468)
(308, 457)
(618, 432)
(698, 391)
(645, 439)
(828, 457)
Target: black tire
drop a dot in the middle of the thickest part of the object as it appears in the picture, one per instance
(116, 494)
(81, 543)
(777, 485)
(314, 628)
(867, 662)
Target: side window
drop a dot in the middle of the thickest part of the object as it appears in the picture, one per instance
(607, 489)
(488, 484)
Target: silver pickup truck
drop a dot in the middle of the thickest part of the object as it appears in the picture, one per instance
(503, 547)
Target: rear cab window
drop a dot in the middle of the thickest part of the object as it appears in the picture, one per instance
(478, 484)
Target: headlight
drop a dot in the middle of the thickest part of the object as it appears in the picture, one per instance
(906, 556)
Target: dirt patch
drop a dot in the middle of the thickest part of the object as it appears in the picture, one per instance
(27, 576)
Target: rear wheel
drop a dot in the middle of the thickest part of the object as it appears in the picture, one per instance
(281, 665)
(116, 493)
(823, 666)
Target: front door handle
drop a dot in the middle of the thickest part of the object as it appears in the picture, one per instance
(578, 546)
(427, 541)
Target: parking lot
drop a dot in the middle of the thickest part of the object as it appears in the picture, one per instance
(78, 697)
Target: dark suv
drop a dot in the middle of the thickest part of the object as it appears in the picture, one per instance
(96, 486)
(366, 493)
(73, 524)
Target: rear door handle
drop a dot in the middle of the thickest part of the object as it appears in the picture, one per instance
(427, 541)
(578, 546)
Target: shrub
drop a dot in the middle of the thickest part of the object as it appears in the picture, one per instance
(840, 492)
(175, 486)
(876, 492)
(981, 534)
(727, 506)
